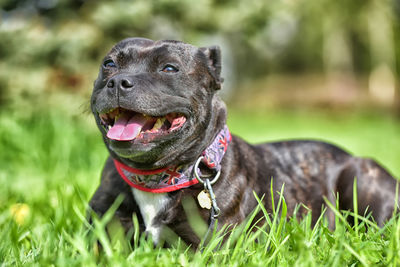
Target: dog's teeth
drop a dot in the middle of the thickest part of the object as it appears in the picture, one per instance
(158, 124)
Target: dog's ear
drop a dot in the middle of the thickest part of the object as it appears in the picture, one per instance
(213, 55)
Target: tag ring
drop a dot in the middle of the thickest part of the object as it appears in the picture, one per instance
(197, 175)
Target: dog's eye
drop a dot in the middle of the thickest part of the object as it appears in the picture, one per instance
(169, 68)
(109, 63)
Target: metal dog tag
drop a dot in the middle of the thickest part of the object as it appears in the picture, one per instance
(204, 199)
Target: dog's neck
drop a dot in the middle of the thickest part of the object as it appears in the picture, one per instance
(175, 177)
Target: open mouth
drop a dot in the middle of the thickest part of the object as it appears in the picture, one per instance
(127, 125)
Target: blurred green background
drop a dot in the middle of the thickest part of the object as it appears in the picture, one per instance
(293, 69)
(284, 53)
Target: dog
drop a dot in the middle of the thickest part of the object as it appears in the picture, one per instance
(164, 125)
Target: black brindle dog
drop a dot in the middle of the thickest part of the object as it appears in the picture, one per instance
(156, 106)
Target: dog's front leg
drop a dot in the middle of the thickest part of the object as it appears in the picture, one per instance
(111, 187)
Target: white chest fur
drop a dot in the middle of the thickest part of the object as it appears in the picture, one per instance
(150, 205)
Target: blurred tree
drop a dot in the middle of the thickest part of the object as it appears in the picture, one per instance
(59, 38)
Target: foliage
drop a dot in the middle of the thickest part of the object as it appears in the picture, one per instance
(60, 43)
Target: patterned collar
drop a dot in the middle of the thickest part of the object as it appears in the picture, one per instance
(175, 177)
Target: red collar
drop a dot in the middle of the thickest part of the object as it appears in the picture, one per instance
(176, 177)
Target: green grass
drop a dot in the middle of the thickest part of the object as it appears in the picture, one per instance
(50, 164)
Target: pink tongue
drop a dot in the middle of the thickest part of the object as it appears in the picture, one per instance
(126, 128)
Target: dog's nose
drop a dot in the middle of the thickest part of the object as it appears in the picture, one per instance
(121, 83)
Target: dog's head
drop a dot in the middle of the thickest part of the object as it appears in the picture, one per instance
(154, 101)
